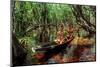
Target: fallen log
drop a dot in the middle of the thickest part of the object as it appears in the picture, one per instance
(50, 52)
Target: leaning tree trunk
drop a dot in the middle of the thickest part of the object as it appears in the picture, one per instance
(83, 21)
(18, 53)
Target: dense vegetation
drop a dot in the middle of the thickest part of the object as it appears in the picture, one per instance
(35, 24)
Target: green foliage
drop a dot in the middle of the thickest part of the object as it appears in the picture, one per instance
(37, 23)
